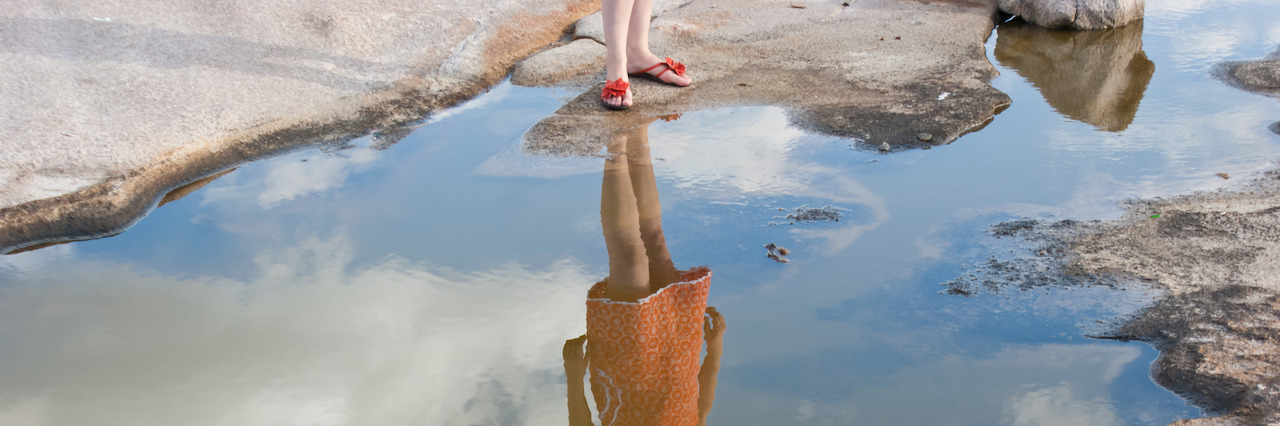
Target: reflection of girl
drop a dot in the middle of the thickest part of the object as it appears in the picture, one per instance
(645, 322)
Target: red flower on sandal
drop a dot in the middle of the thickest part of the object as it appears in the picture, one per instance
(614, 89)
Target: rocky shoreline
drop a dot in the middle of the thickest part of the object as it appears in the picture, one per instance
(114, 104)
(1214, 253)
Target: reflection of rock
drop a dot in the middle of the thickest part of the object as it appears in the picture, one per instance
(882, 72)
(1075, 14)
(1097, 77)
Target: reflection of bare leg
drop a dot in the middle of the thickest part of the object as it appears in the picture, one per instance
(661, 269)
(628, 264)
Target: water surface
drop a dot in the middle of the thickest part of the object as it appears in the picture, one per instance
(434, 281)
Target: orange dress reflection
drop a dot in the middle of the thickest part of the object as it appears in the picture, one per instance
(647, 321)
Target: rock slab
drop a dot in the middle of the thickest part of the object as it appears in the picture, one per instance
(1076, 14)
(107, 105)
(875, 72)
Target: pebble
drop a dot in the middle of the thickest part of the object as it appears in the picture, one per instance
(1223, 175)
(925, 137)
(885, 146)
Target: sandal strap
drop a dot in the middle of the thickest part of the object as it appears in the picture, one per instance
(671, 66)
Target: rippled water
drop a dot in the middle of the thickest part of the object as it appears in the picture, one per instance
(434, 281)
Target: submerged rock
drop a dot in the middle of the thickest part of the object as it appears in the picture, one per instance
(1261, 76)
(1075, 14)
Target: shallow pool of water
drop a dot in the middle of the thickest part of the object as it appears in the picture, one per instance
(433, 281)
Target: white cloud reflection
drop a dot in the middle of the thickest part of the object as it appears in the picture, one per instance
(293, 176)
(1050, 384)
(728, 155)
(1058, 406)
(311, 339)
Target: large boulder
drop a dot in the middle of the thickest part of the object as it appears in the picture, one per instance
(1075, 14)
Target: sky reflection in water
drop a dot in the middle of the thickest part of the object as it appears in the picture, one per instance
(433, 282)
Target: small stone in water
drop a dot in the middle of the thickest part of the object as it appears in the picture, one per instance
(885, 146)
(1224, 175)
(925, 137)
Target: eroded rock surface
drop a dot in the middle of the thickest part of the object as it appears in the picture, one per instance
(1260, 76)
(1214, 254)
(107, 105)
(1076, 14)
(877, 71)
(575, 62)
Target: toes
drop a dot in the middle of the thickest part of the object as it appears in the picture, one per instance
(673, 78)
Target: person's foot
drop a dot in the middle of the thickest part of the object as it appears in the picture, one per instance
(664, 70)
(616, 94)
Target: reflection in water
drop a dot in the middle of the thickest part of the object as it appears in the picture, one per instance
(1097, 77)
(645, 322)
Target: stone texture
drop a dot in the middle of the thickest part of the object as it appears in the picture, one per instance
(1261, 76)
(1097, 77)
(1217, 332)
(1075, 14)
(590, 27)
(107, 105)
(878, 72)
(577, 62)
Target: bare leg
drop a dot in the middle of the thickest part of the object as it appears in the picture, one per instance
(661, 269)
(628, 263)
(638, 56)
(617, 14)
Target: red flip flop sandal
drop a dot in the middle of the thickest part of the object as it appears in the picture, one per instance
(670, 65)
(617, 88)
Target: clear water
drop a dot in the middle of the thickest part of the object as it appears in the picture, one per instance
(433, 282)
